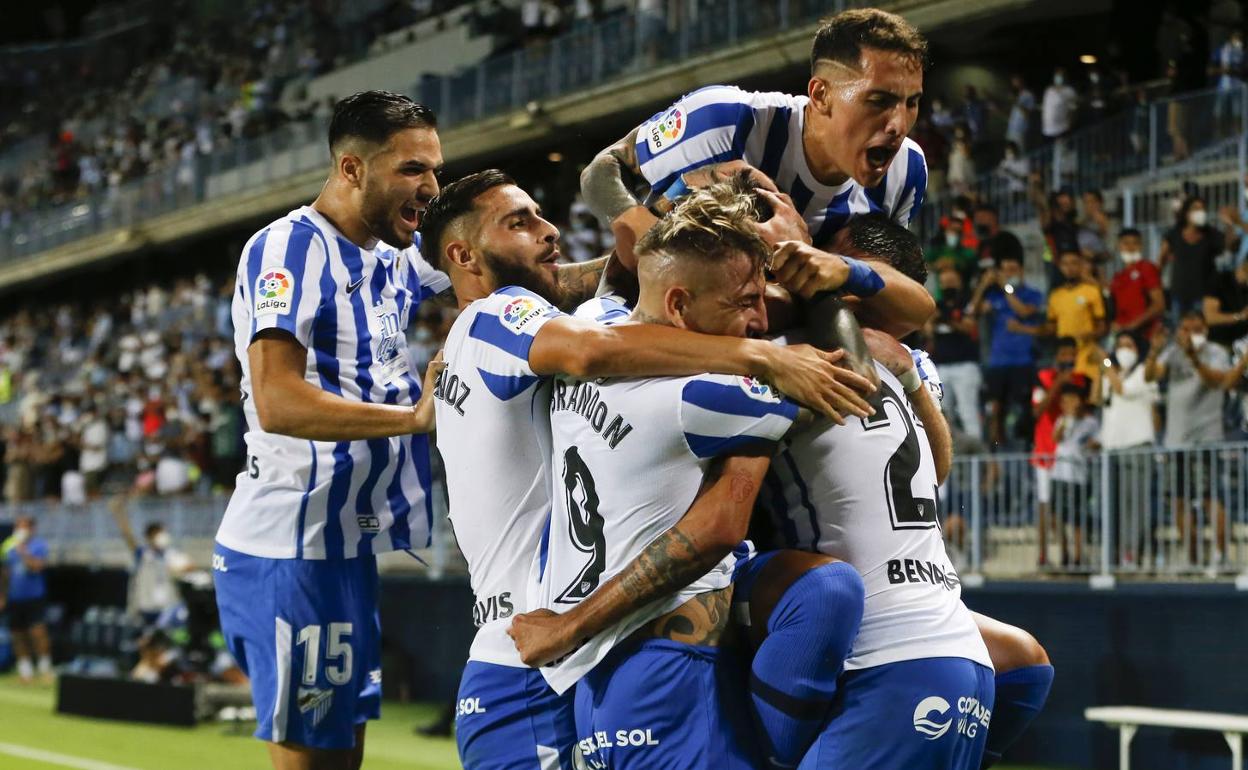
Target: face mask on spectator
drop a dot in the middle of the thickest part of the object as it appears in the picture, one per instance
(1064, 366)
(1198, 218)
(1199, 340)
(1127, 357)
(1130, 257)
(161, 540)
(1058, 79)
(983, 231)
(952, 239)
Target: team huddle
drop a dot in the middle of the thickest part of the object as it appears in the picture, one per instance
(696, 481)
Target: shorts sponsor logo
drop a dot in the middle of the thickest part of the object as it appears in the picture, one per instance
(974, 717)
(273, 292)
(666, 130)
(315, 703)
(604, 739)
(218, 563)
(469, 706)
(758, 390)
(519, 312)
(374, 676)
(924, 724)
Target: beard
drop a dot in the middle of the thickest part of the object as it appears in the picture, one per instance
(530, 276)
(378, 214)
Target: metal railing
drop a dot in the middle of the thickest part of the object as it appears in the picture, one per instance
(1148, 512)
(1177, 135)
(619, 45)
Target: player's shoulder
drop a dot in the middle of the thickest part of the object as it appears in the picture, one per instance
(513, 307)
(732, 394)
(296, 232)
(607, 310)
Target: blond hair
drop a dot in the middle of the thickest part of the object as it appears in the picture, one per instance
(710, 224)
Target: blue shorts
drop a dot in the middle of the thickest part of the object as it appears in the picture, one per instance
(659, 704)
(308, 635)
(930, 714)
(508, 718)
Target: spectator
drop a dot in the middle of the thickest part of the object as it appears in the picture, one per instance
(1059, 221)
(1018, 129)
(93, 456)
(157, 565)
(961, 174)
(951, 253)
(1136, 290)
(1077, 310)
(23, 595)
(1128, 400)
(1227, 69)
(1191, 248)
(1057, 112)
(995, 244)
(1046, 409)
(1093, 233)
(1014, 169)
(1075, 433)
(1195, 372)
(955, 351)
(974, 114)
(1225, 306)
(1235, 219)
(1017, 312)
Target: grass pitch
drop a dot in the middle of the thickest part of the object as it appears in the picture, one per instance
(33, 737)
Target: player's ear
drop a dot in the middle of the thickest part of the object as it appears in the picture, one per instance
(675, 304)
(459, 255)
(351, 168)
(817, 90)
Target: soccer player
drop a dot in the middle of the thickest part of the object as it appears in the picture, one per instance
(493, 434)
(23, 594)
(839, 151)
(334, 474)
(630, 456)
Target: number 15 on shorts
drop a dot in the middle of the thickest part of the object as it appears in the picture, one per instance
(337, 657)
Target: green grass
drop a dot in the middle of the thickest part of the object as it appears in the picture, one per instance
(27, 720)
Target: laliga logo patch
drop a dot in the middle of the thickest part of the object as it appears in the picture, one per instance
(666, 130)
(758, 390)
(273, 292)
(928, 727)
(519, 312)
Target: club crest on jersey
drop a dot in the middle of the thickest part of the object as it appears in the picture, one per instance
(273, 292)
(314, 703)
(666, 130)
(519, 312)
(758, 390)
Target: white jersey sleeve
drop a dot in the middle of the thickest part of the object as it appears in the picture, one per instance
(927, 372)
(280, 277)
(721, 413)
(608, 309)
(430, 280)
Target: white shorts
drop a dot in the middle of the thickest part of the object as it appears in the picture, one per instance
(1044, 485)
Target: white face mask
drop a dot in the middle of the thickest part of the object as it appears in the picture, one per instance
(1130, 257)
(952, 239)
(161, 540)
(20, 535)
(1198, 218)
(1058, 80)
(1127, 357)
(1198, 341)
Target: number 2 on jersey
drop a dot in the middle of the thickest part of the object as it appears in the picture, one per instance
(585, 525)
(908, 511)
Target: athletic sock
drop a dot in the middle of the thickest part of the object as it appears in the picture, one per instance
(45, 664)
(1020, 696)
(793, 676)
(24, 668)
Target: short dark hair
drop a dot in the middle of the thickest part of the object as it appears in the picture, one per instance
(876, 235)
(1067, 342)
(1071, 387)
(152, 528)
(1009, 255)
(1129, 231)
(453, 201)
(842, 37)
(991, 209)
(375, 116)
(1194, 313)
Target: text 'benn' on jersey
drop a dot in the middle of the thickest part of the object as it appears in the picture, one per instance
(723, 123)
(629, 456)
(494, 437)
(349, 307)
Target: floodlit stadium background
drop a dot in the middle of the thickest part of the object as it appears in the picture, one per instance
(142, 142)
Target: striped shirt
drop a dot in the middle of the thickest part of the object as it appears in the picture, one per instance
(494, 437)
(350, 307)
(723, 123)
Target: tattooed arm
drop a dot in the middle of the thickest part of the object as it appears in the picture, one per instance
(579, 281)
(708, 532)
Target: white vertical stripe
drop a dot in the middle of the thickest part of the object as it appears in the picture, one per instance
(283, 651)
(548, 758)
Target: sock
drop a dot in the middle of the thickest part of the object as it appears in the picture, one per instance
(24, 669)
(1020, 696)
(793, 676)
(45, 664)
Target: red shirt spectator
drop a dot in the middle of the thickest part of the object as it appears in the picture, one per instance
(1136, 289)
(1047, 405)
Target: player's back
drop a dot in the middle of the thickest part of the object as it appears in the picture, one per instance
(866, 492)
(723, 123)
(629, 456)
(349, 306)
(493, 435)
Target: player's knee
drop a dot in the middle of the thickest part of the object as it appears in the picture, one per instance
(830, 594)
(1012, 648)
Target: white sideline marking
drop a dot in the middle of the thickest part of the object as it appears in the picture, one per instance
(52, 758)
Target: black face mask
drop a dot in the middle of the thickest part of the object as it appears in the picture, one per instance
(983, 231)
(951, 295)
(1063, 366)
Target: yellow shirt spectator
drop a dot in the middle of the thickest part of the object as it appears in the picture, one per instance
(1077, 310)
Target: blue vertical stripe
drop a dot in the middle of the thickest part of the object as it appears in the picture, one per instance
(339, 489)
(916, 179)
(780, 509)
(800, 194)
(420, 458)
(378, 453)
(303, 503)
(296, 262)
(400, 506)
(804, 496)
(255, 258)
(834, 218)
(777, 140)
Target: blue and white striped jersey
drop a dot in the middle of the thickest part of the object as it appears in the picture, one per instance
(629, 456)
(494, 436)
(349, 306)
(722, 123)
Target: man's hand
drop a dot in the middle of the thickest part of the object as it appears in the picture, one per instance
(805, 270)
(808, 375)
(541, 636)
(422, 411)
(786, 223)
(888, 351)
(628, 228)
